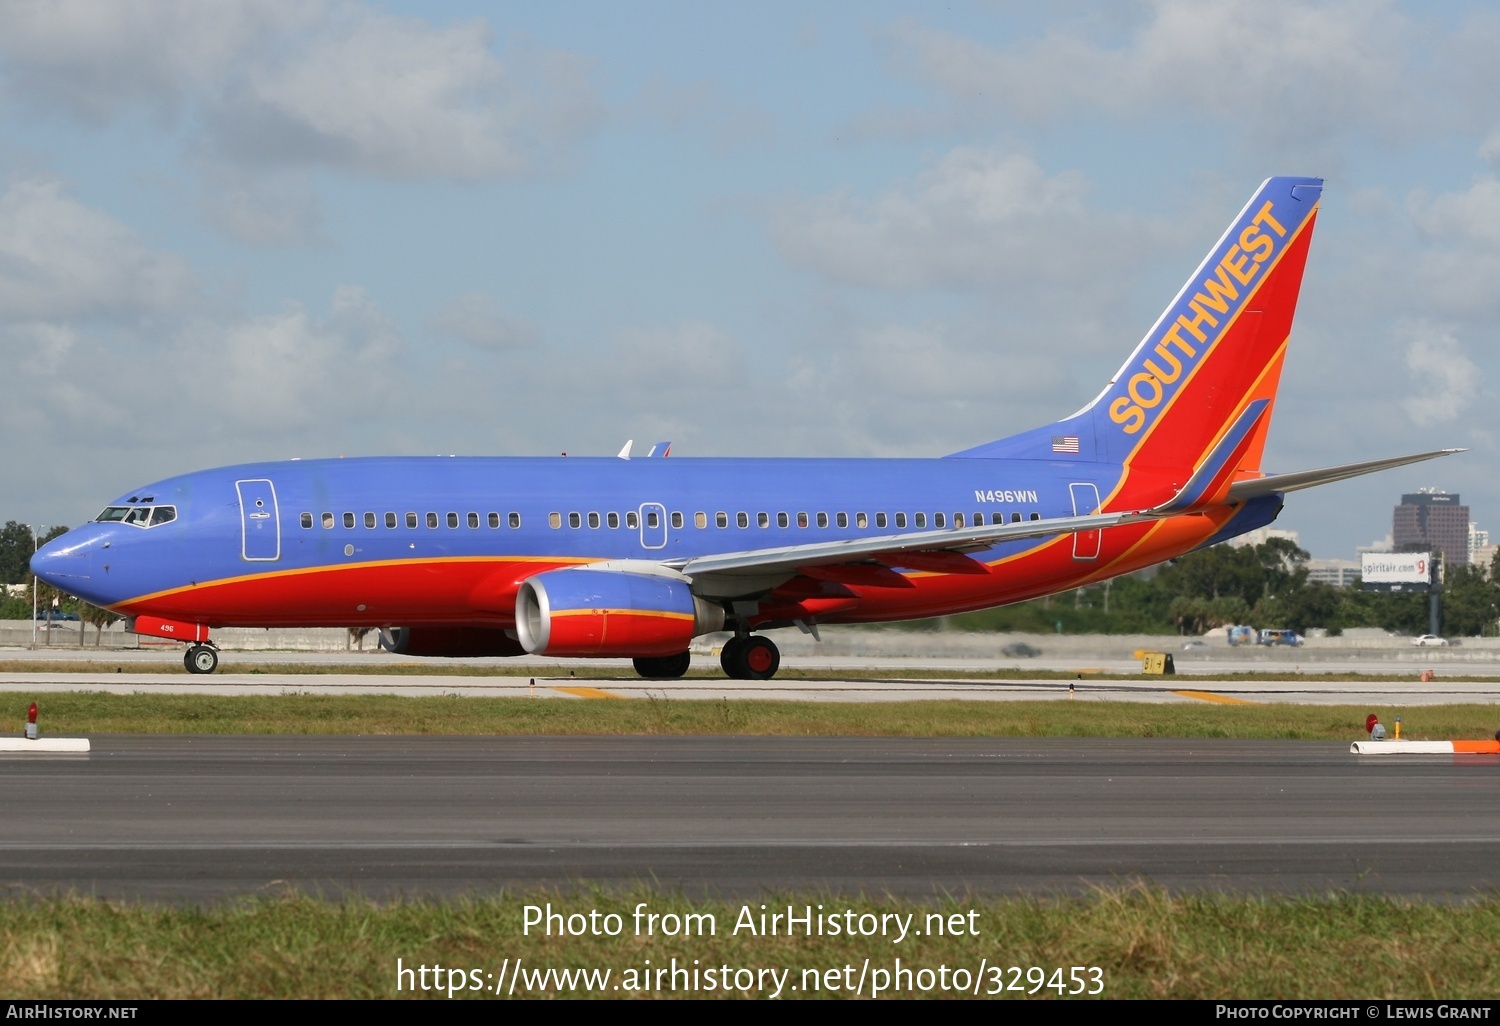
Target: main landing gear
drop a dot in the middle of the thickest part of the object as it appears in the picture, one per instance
(750, 658)
(663, 667)
(201, 659)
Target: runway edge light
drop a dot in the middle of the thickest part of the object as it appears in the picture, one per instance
(32, 743)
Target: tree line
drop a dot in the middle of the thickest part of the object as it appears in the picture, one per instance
(1261, 585)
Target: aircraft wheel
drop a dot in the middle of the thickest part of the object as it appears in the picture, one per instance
(729, 658)
(201, 659)
(760, 659)
(664, 667)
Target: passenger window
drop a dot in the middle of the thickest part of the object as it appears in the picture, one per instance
(822, 519)
(1036, 516)
(554, 520)
(432, 520)
(762, 520)
(452, 520)
(676, 518)
(632, 519)
(327, 521)
(700, 519)
(493, 520)
(721, 519)
(574, 520)
(167, 514)
(411, 520)
(653, 519)
(801, 519)
(978, 520)
(613, 519)
(842, 520)
(390, 520)
(306, 519)
(880, 520)
(594, 521)
(939, 520)
(958, 520)
(1015, 518)
(997, 518)
(515, 520)
(742, 519)
(919, 519)
(782, 520)
(473, 520)
(900, 520)
(860, 520)
(369, 520)
(348, 519)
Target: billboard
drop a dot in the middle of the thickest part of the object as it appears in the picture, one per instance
(1396, 571)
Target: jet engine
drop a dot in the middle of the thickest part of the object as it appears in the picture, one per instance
(452, 642)
(583, 612)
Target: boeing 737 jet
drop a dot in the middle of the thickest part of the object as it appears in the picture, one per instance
(634, 558)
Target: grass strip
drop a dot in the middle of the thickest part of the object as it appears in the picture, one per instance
(1145, 943)
(89, 713)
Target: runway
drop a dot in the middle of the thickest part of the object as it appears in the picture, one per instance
(192, 818)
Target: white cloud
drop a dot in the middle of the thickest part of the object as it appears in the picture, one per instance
(397, 98)
(61, 259)
(95, 58)
(270, 91)
(1448, 379)
(1283, 72)
(477, 319)
(289, 372)
(269, 208)
(976, 219)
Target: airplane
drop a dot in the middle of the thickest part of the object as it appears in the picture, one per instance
(634, 558)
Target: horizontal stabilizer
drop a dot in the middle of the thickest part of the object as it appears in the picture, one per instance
(1273, 483)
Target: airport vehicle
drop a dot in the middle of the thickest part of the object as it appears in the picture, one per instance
(622, 557)
(1429, 641)
(1272, 636)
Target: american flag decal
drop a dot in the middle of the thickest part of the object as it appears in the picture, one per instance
(1064, 443)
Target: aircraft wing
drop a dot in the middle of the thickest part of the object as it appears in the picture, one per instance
(1258, 486)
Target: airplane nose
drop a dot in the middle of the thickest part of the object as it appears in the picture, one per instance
(63, 563)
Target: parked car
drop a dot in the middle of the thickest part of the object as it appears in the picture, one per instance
(1429, 640)
(1273, 636)
(1188, 646)
(55, 615)
(1240, 634)
(1019, 649)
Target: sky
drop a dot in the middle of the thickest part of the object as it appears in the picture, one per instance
(241, 231)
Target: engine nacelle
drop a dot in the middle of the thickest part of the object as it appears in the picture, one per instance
(452, 642)
(586, 612)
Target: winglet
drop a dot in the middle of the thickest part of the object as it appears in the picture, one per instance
(624, 452)
(660, 449)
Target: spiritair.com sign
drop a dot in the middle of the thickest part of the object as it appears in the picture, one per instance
(1388, 568)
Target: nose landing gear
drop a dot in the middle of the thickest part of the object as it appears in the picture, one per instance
(201, 659)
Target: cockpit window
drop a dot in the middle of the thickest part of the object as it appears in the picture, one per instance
(138, 516)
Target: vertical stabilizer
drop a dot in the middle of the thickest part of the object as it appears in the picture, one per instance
(1217, 349)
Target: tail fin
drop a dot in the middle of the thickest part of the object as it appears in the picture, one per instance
(1215, 351)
